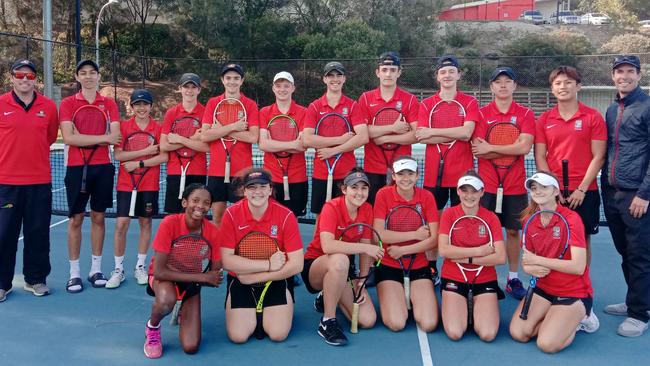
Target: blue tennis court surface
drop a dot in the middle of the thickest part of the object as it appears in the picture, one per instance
(106, 327)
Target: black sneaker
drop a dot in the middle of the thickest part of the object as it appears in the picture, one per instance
(435, 277)
(318, 303)
(332, 333)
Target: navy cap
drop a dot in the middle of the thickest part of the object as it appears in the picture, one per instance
(389, 58)
(190, 78)
(141, 95)
(503, 70)
(626, 59)
(355, 177)
(83, 63)
(257, 177)
(231, 66)
(447, 60)
(23, 63)
(333, 66)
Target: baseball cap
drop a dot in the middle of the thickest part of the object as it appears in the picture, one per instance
(190, 78)
(389, 58)
(542, 178)
(83, 63)
(356, 177)
(232, 67)
(141, 95)
(333, 66)
(503, 70)
(406, 163)
(22, 63)
(471, 180)
(283, 75)
(626, 59)
(257, 177)
(447, 60)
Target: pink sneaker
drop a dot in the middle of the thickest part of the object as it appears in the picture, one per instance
(153, 342)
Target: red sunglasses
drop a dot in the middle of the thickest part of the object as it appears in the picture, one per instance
(24, 74)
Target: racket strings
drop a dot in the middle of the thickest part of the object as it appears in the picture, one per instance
(256, 247)
(447, 115)
(283, 129)
(469, 232)
(386, 117)
(186, 127)
(332, 126)
(548, 240)
(90, 121)
(189, 254)
(503, 134)
(227, 113)
(139, 141)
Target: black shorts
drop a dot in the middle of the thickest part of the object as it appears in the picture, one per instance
(305, 275)
(99, 188)
(172, 203)
(444, 194)
(377, 182)
(221, 191)
(589, 212)
(461, 288)
(588, 302)
(146, 204)
(191, 289)
(245, 296)
(512, 206)
(386, 273)
(298, 194)
(319, 193)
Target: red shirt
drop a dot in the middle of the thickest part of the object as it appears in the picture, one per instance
(571, 140)
(151, 180)
(334, 218)
(70, 105)
(559, 283)
(515, 177)
(297, 165)
(348, 108)
(388, 198)
(369, 103)
(198, 164)
(174, 226)
(450, 270)
(26, 137)
(460, 156)
(241, 156)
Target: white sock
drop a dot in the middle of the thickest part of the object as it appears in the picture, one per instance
(142, 259)
(96, 264)
(151, 326)
(119, 263)
(325, 319)
(75, 270)
(512, 275)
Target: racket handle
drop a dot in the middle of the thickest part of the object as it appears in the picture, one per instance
(174, 319)
(565, 178)
(499, 206)
(439, 179)
(389, 176)
(84, 174)
(181, 186)
(226, 175)
(354, 323)
(285, 184)
(527, 300)
(470, 308)
(134, 196)
(330, 183)
(407, 292)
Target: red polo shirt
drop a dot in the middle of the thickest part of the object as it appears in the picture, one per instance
(151, 180)
(198, 164)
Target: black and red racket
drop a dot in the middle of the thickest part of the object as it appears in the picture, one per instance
(386, 117)
(565, 179)
(445, 114)
(228, 111)
(285, 129)
(332, 125)
(185, 126)
(502, 133)
(90, 120)
(138, 141)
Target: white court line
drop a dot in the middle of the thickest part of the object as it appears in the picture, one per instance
(58, 189)
(424, 348)
(51, 226)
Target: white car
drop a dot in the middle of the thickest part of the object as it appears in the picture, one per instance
(644, 23)
(564, 17)
(595, 19)
(534, 16)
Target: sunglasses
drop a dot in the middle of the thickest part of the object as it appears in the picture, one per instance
(24, 74)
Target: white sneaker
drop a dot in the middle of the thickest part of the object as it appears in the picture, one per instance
(616, 309)
(117, 277)
(589, 324)
(631, 327)
(141, 275)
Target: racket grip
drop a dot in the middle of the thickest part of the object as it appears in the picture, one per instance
(565, 178)
(134, 196)
(84, 174)
(439, 179)
(499, 205)
(527, 300)
(181, 187)
(285, 184)
(330, 183)
(389, 176)
(174, 318)
(354, 323)
(407, 292)
(226, 175)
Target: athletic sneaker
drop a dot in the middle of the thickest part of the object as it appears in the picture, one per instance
(619, 309)
(319, 305)
(515, 288)
(631, 327)
(3, 294)
(153, 342)
(38, 289)
(117, 277)
(141, 275)
(589, 324)
(435, 276)
(331, 331)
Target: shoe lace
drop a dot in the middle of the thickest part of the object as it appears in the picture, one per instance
(153, 337)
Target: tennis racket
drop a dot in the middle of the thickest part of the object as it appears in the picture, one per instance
(90, 120)
(405, 218)
(189, 253)
(502, 133)
(185, 126)
(445, 114)
(470, 231)
(565, 178)
(228, 111)
(332, 125)
(549, 238)
(283, 128)
(386, 117)
(258, 246)
(137, 141)
(358, 264)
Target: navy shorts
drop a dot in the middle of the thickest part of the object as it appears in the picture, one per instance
(172, 203)
(297, 194)
(146, 204)
(319, 193)
(386, 273)
(462, 288)
(222, 191)
(99, 188)
(512, 206)
(588, 302)
(245, 296)
(443, 195)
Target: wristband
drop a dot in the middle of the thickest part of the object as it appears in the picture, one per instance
(469, 260)
(583, 192)
(141, 164)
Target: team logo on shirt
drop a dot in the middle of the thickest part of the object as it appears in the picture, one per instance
(240, 114)
(40, 114)
(274, 230)
(578, 125)
(556, 232)
(195, 123)
(513, 120)
(418, 208)
(481, 230)
(344, 111)
(204, 250)
(398, 105)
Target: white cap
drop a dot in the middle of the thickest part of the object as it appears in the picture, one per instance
(542, 178)
(405, 164)
(283, 75)
(470, 180)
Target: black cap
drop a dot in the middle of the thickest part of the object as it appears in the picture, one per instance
(447, 60)
(333, 66)
(389, 58)
(190, 78)
(257, 177)
(626, 59)
(503, 70)
(231, 66)
(23, 63)
(83, 63)
(141, 95)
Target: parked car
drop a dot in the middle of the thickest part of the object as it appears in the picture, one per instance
(644, 23)
(564, 17)
(534, 16)
(595, 19)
